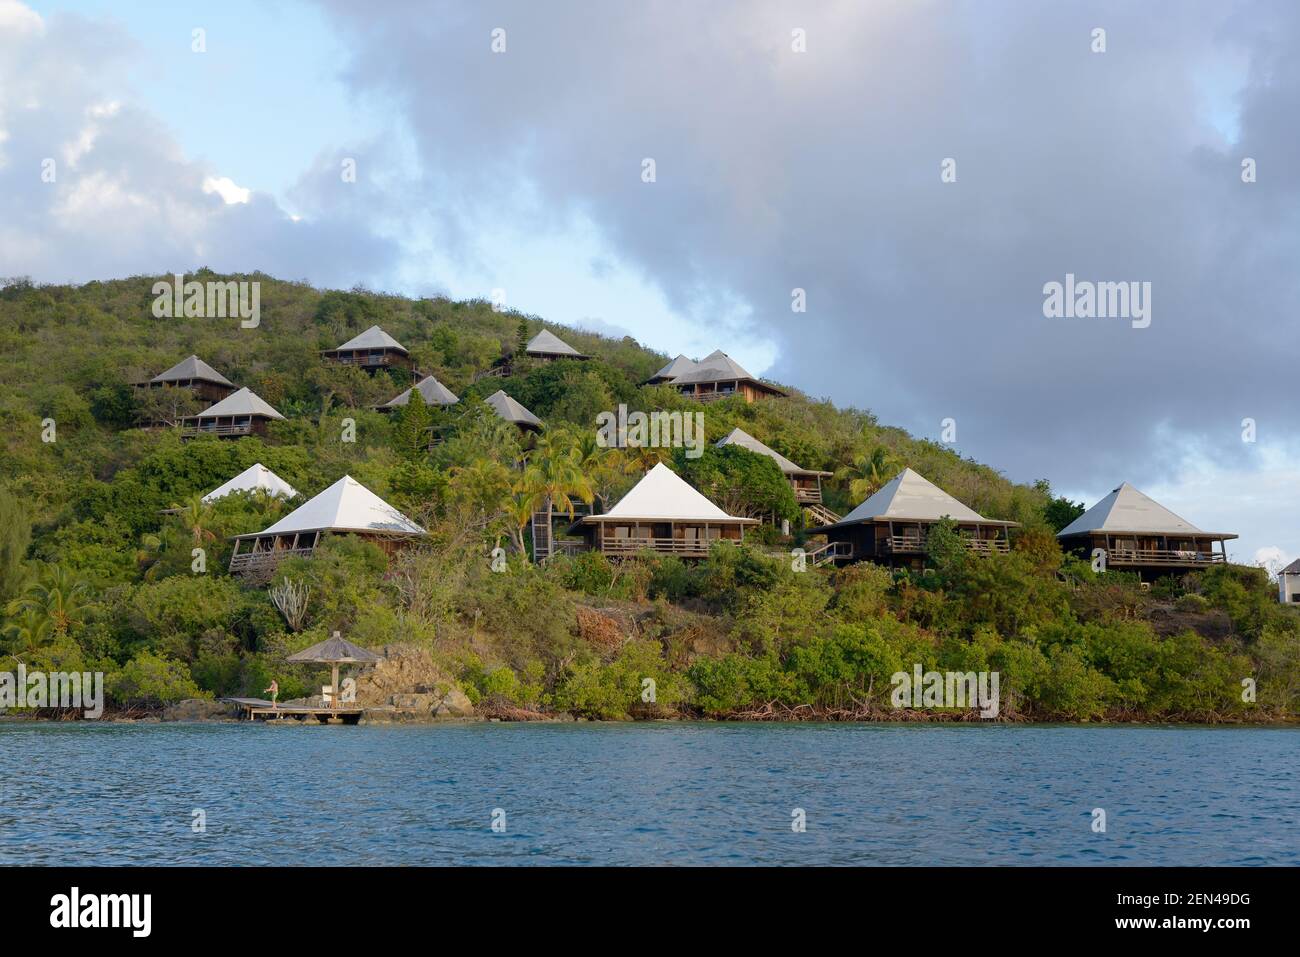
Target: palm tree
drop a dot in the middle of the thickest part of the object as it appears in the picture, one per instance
(195, 515)
(483, 486)
(58, 595)
(867, 472)
(28, 632)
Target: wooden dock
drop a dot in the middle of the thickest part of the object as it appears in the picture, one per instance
(259, 709)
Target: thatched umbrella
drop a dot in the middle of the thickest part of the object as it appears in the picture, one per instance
(335, 650)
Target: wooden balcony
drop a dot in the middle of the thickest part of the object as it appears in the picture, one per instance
(915, 545)
(692, 547)
(712, 396)
(813, 495)
(222, 431)
(260, 561)
(1163, 556)
(564, 546)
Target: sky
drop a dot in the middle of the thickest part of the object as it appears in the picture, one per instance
(919, 170)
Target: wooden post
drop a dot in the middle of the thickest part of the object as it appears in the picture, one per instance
(334, 686)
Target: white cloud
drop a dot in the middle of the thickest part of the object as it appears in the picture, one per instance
(225, 187)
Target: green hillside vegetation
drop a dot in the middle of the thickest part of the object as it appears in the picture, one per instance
(94, 576)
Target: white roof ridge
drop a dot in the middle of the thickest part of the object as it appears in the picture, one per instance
(662, 494)
(346, 506)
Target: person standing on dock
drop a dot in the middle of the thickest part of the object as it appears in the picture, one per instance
(274, 692)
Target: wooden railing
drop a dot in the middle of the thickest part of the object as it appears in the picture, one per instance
(807, 494)
(711, 396)
(669, 546)
(913, 543)
(563, 546)
(496, 372)
(194, 431)
(251, 560)
(1162, 556)
(821, 514)
(829, 552)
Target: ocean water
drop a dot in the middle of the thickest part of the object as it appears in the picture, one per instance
(647, 794)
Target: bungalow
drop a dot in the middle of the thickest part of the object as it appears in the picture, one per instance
(373, 349)
(196, 375)
(548, 347)
(662, 513)
(1140, 535)
(244, 413)
(1288, 583)
(513, 412)
(431, 390)
(807, 483)
(345, 508)
(254, 478)
(892, 526)
(716, 376)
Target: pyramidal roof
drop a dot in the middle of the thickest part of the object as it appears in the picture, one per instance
(716, 365)
(548, 343)
(252, 478)
(909, 495)
(678, 366)
(192, 368)
(1292, 569)
(346, 506)
(243, 402)
(434, 392)
(745, 440)
(663, 494)
(511, 411)
(1126, 509)
(372, 338)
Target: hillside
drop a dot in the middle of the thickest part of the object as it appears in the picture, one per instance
(93, 574)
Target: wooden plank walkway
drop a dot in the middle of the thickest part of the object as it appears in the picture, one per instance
(259, 709)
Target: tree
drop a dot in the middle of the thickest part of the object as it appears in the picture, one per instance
(867, 472)
(196, 515)
(412, 424)
(59, 596)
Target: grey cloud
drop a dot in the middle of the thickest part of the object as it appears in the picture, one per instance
(821, 170)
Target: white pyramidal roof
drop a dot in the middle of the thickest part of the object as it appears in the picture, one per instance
(663, 494)
(243, 402)
(346, 506)
(678, 366)
(1126, 509)
(372, 338)
(510, 410)
(192, 368)
(745, 440)
(911, 496)
(251, 479)
(548, 343)
(434, 392)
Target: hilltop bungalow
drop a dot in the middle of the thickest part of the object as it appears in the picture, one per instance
(662, 513)
(1288, 583)
(237, 415)
(513, 412)
(431, 390)
(892, 526)
(346, 507)
(547, 347)
(254, 478)
(716, 376)
(1140, 535)
(807, 483)
(196, 375)
(373, 349)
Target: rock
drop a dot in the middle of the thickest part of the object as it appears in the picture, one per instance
(454, 704)
(199, 709)
(409, 681)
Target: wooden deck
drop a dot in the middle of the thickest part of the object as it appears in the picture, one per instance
(259, 709)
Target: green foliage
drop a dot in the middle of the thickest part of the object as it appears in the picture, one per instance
(150, 679)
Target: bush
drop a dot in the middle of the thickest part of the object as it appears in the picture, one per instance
(151, 680)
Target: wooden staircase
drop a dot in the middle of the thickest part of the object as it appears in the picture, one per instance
(825, 554)
(543, 543)
(820, 514)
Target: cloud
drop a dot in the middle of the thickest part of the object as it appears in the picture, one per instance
(93, 186)
(821, 170)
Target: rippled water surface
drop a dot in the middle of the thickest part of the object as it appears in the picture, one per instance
(658, 794)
